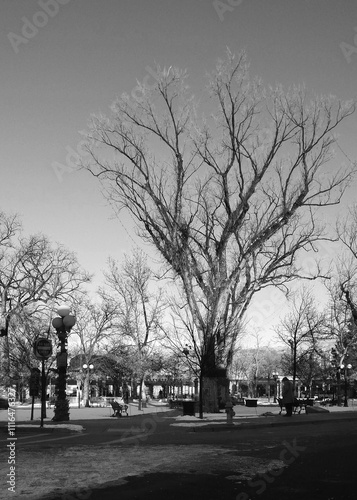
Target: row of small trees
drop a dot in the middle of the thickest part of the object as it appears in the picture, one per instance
(120, 325)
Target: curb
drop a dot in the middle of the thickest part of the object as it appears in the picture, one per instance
(33, 428)
(224, 427)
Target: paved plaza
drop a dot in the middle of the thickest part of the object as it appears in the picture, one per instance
(95, 449)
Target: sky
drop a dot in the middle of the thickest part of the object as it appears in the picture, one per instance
(62, 60)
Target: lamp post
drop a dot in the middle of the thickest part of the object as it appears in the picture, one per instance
(345, 369)
(63, 325)
(275, 377)
(87, 369)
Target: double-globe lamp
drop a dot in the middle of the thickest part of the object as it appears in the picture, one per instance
(63, 325)
(65, 321)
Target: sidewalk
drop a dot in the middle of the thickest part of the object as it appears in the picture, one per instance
(23, 413)
(262, 415)
(265, 413)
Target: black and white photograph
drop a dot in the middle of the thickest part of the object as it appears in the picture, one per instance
(178, 249)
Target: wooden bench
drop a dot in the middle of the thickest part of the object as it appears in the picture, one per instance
(298, 405)
(119, 409)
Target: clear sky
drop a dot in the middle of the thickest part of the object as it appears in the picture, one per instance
(63, 60)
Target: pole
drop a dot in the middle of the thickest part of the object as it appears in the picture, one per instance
(201, 394)
(62, 369)
(338, 376)
(43, 395)
(32, 407)
(346, 398)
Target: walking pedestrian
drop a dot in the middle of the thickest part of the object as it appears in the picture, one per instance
(288, 396)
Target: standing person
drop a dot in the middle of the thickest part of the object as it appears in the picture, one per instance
(288, 396)
(126, 396)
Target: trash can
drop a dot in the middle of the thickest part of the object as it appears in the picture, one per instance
(188, 408)
(252, 403)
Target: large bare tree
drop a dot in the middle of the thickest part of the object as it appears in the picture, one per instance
(229, 199)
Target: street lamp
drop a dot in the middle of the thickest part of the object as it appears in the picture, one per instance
(63, 325)
(345, 369)
(186, 350)
(87, 369)
(275, 377)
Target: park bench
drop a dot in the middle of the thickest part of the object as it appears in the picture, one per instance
(119, 409)
(298, 405)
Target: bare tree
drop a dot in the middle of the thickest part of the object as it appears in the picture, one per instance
(342, 287)
(301, 330)
(95, 326)
(18, 358)
(342, 323)
(34, 275)
(185, 341)
(139, 310)
(229, 201)
(347, 266)
(255, 363)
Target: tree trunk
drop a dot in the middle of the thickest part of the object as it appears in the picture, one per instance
(215, 390)
(134, 388)
(215, 384)
(140, 394)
